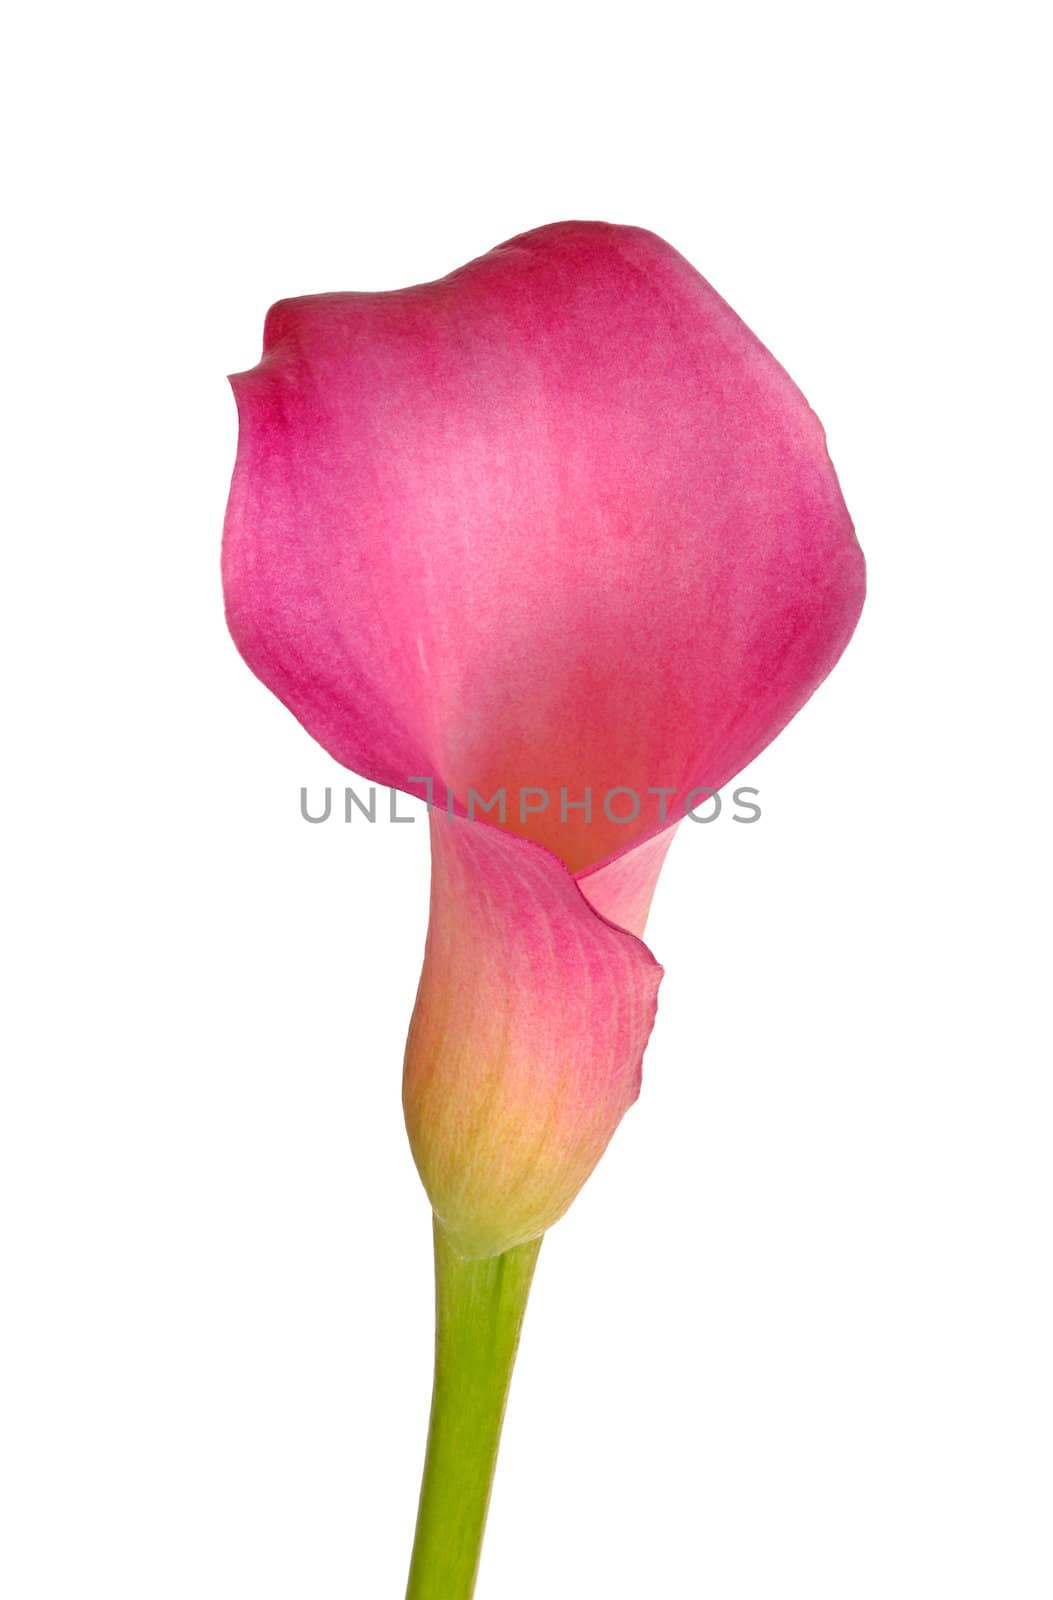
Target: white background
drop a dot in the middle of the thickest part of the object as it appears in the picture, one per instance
(794, 1338)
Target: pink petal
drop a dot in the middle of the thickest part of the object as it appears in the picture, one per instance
(558, 521)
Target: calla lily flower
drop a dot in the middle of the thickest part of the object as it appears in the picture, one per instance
(557, 534)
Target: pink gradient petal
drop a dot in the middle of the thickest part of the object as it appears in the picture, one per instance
(558, 520)
(527, 1037)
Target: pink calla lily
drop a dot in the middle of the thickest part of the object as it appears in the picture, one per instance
(556, 526)
(555, 523)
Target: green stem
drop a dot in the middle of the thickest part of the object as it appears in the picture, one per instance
(479, 1309)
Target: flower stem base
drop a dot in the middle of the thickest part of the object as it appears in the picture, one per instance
(479, 1308)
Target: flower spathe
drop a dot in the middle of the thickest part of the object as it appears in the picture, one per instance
(555, 521)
